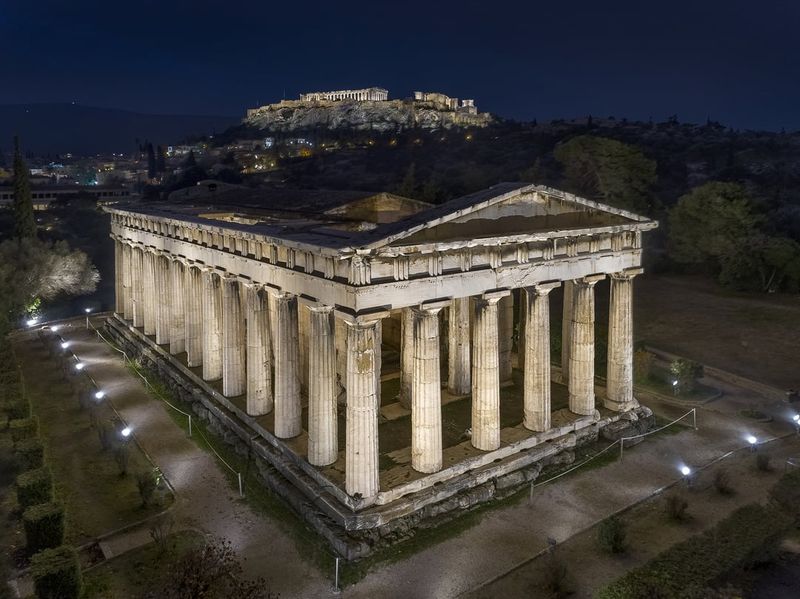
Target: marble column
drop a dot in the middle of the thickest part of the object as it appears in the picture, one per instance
(458, 366)
(426, 393)
(193, 301)
(536, 360)
(149, 292)
(259, 363)
(361, 441)
(303, 326)
(119, 275)
(566, 329)
(137, 286)
(127, 280)
(581, 351)
(323, 444)
(485, 374)
(163, 299)
(177, 320)
(619, 376)
(288, 410)
(406, 357)
(233, 339)
(212, 326)
(505, 336)
(341, 358)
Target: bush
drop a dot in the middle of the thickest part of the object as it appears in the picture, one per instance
(30, 453)
(763, 462)
(17, 408)
(44, 526)
(676, 506)
(611, 535)
(722, 482)
(785, 494)
(9, 464)
(56, 573)
(686, 570)
(686, 373)
(34, 486)
(23, 428)
(146, 483)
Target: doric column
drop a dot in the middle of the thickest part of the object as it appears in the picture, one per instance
(566, 329)
(212, 326)
(193, 294)
(323, 445)
(581, 351)
(259, 366)
(303, 325)
(341, 357)
(177, 320)
(619, 377)
(485, 374)
(426, 392)
(119, 275)
(137, 286)
(233, 339)
(163, 298)
(459, 379)
(288, 410)
(536, 361)
(127, 280)
(361, 441)
(505, 336)
(149, 292)
(406, 356)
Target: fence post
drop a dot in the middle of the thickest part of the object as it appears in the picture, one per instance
(190, 425)
(336, 588)
(241, 493)
(621, 446)
(694, 418)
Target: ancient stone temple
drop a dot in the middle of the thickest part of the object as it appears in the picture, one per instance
(385, 360)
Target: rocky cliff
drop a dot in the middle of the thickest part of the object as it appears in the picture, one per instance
(382, 116)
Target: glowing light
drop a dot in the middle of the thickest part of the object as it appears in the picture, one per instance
(100, 395)
(79, 366)
(796, 417)
(54, 328)
(32, 321)
(126, 432)
(685, 470)
(752, 440)
(87, 310)
(674, 383)
(64, 344)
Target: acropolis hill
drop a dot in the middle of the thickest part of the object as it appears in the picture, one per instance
(366, 109)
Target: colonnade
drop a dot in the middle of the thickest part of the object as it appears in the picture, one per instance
(248, 335)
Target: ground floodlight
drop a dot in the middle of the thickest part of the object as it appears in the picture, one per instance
(752, 440)
(100, 395)
(685, 470)
(64, 344)
(796, 417)
(126, 432)
(54, 328)
(79, 366)
(674, 383)
(87, 310)
(31, 321)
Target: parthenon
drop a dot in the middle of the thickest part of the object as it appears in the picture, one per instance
(369, 94)
(292, 318)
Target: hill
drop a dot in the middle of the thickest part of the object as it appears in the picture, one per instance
(84, 130)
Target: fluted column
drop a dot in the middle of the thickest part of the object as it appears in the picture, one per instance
(536, 360)
(361, 441)
(259, 364)
(149, 292)
(137, 286)
(323, 445)
(505, 336)
(212, 326)
(119, 270)
(459, 375)
(581, 351)
(177, 308)
(426, 393)
(485, 375)
(193, 293)
(566, 329)
(303, 326)
(406, 357)
(163, 298)
(233, 339)
(288, 410)
(619, 376)
(127, 280)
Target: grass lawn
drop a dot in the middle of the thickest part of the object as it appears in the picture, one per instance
(97, 498)
(133, 573)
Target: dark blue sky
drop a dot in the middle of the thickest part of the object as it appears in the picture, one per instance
(736, 61)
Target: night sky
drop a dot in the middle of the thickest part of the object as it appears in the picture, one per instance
(732, 60)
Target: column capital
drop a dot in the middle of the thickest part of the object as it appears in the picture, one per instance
(431, 307)
(589, 280)
(543, 288)
(494, 296)
(627, 274)
(367, 319)
(318, 308)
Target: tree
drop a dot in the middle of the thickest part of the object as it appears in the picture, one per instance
(408, 186)
(161, 160)
(24, 221)
(762, 263)
(617, 174)
(151, 161)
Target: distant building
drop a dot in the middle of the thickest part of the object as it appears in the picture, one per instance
(43, 196)
(369, 94)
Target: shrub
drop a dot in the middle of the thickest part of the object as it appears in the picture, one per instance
(30, 453)
(9, 464)
(17, 408)
(686, 373)
(687, 569)
(611, 535)
(24, 428)
(160, 530)
(763, 462)
(44, 526)
(56, 573)
(785, 494)
(34, 486)
(722, 482)
(146, 483)
(675, 506)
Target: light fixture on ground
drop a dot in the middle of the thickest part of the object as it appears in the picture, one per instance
(88, 311)
(753, 441)
(796, 420)
(686, 472)
(126, 432)
(54, 328)
(64, 344)
(674, 387)
(31, 321)
(100, 395)
(79, 366)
